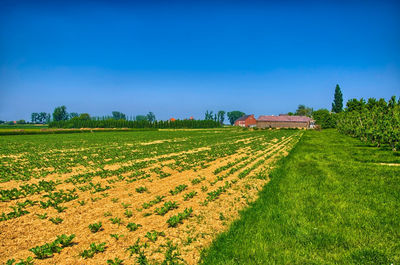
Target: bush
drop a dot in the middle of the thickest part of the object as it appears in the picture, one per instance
(324, 118)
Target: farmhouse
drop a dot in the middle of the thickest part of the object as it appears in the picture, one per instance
(246, 121)
(284, 121)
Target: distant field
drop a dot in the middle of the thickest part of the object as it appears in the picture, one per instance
(45, 130)
(134, 192)
(333, 200)
(22, 126)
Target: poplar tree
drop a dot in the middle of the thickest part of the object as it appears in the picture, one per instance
(337, 105)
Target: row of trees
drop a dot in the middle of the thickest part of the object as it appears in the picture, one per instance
(112, 123)
(220, 116)
(375, 121)
(60, 114)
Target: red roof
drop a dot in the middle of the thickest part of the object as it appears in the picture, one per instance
(284, 118)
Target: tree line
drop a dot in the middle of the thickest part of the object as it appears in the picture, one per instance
(112, 123)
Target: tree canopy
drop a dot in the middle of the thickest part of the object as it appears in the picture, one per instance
(151, 117)
(324, 118)
(118, 115)
(302, 110)
(60, 114)
(234, 115)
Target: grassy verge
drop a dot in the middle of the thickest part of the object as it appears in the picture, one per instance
(331, 201)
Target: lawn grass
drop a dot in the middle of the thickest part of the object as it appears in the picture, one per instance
(328, 202)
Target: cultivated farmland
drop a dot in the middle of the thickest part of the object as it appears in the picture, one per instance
(104, 197)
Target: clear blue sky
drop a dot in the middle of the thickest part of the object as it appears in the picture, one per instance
(179, 59)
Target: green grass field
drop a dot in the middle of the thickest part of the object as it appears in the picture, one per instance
(333, 200)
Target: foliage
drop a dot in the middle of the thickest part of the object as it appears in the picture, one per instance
(376, 122)
(115, 261)
(141, 189)
(40, 118)
(116, 220)
(128, 213)
(337, 105)
(133, 227)
(112, 123)
(73, 115)
(116, 236)
(208, 116)
(116, 115)
(136, 248)
(302, 110)
(234, 115)
(324, 118)
(47, 250)
(93, 249)
(178, 189)
(176, 219)
(166, 207)
(158, 199)
(95, 227)
(28, 261)
(189, 195)
(84, 117)
(60, 114)
(221, 116)
(56, 220)
(153, 235)
(172, 255)
(141, 118)
(151, 117)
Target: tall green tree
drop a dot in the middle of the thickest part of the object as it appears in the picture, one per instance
(151, 117)
(60, 114)
(209, 115)
(34, 117)
(221, 116)
(337, 105)
(234, 115)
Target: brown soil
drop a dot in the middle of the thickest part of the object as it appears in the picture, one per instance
(18, 235)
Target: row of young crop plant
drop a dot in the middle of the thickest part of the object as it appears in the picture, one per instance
(46, 251)
(240, 163)
(375, 121)
(190, 124)
(88, 177)
(62, 162)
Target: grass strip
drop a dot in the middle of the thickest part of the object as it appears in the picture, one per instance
(332, 200)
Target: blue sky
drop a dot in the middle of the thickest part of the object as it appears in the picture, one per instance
(179, 59)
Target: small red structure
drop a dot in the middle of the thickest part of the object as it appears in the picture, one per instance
(246, 121)
(172, 119)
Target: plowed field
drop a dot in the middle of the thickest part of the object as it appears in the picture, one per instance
(154, 193)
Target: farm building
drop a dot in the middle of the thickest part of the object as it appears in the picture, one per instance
(284, 121)
(246, 121)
